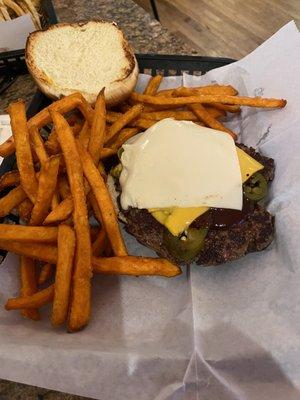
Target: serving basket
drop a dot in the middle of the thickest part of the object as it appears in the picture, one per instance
(151, 64)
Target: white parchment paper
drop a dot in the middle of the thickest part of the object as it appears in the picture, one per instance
(13, 33)
(228, 332)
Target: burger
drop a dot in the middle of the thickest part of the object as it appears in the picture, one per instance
(192, 194)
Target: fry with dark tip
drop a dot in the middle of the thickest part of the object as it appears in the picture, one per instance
(63, 275)
(80, 307)
(23, 150)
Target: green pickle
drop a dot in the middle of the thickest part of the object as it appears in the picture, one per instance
(185, 249)
(116, 171)
(256, 187)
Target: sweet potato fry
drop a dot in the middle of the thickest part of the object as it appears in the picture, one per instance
(123, 121)
(10, 178)
(25, 210)
(210, 89)
(208, 98)
(11, 200)
(227, 107)
(131, 265)
(85, 134)
(98, 128)
(112, 116)
(107, 152)
(153, 85)
(99, 243)
(81, 292)
(37, 251)
(37, 300)
(63, 187)
(23, 151)
(55, 199)
(29, 285)
(165, 93)
(63, 276)
(38, 144)
(104, 201)
(46, 189)
(46, 272)
(28, 234)
(210, 121)
(7, 148)
(123, 136)
(61, 212)
(52, 145)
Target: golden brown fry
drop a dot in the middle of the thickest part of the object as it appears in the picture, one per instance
(55, 200)
(210, 89)
(179, 114)
(14, 6)
(46, 189)
(63, 276)
(227, 108)
(85, 134)
(98, 128)
(4, 12)
(23, 151)
(109, 217)
(165, 93)
(126, 265)
(24, 210)
(29, 285)
(52, 144)
(38, 144)
(46, 272)
(81, 292)
(11, 200)
(7, 148)
(61, 212)
(215, 112)
(123, 121)
(123, 136)
(107, 152)
(112, 116)
(143, 124)
(10, 178)
(37, 300)
(28, 234)
(208, 98)
(99, 243)
(210, 121)
(153, 85)
(131, 265)
(63, 187)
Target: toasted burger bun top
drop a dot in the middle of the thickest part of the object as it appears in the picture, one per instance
(84, 57)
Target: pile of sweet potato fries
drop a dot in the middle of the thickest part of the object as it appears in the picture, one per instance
(60, 182)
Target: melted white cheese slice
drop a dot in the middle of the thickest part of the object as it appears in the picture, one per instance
(179, 163)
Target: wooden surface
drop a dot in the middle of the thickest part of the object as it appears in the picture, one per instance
(225, 28)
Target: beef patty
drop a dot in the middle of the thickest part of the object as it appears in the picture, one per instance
(253, 232)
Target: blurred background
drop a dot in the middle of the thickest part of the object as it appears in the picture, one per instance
(230, 28)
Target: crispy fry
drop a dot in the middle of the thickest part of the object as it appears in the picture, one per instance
(104, 201)
(153, 85)
(61, 212)
(7, 148)
(215, 112)
(38, 144)
(4, 12)
(143, 124)
(124, 135)
(11, 200)
(112, 116)
(207, 98)
(63, 187)
(130, 265)
(210, 89)
(81, 291)
(123, 121)
(85, 134)
(54, 200)
(63, 276)
(37, 300)
(98, 128)
(23, 151)
(10, 178)
(210, 121)
(178, 115)
(46, 189)
(28, 234)
(99, 243)
(52, 144)
(165, 93)
(45, 274)
(107, 152)
(29, 285)
(227, 108)
(14, 6)
(25, 209)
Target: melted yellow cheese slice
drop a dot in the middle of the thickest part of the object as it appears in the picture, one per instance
(177, 219)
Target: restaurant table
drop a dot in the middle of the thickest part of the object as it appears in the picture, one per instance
(146, 36)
